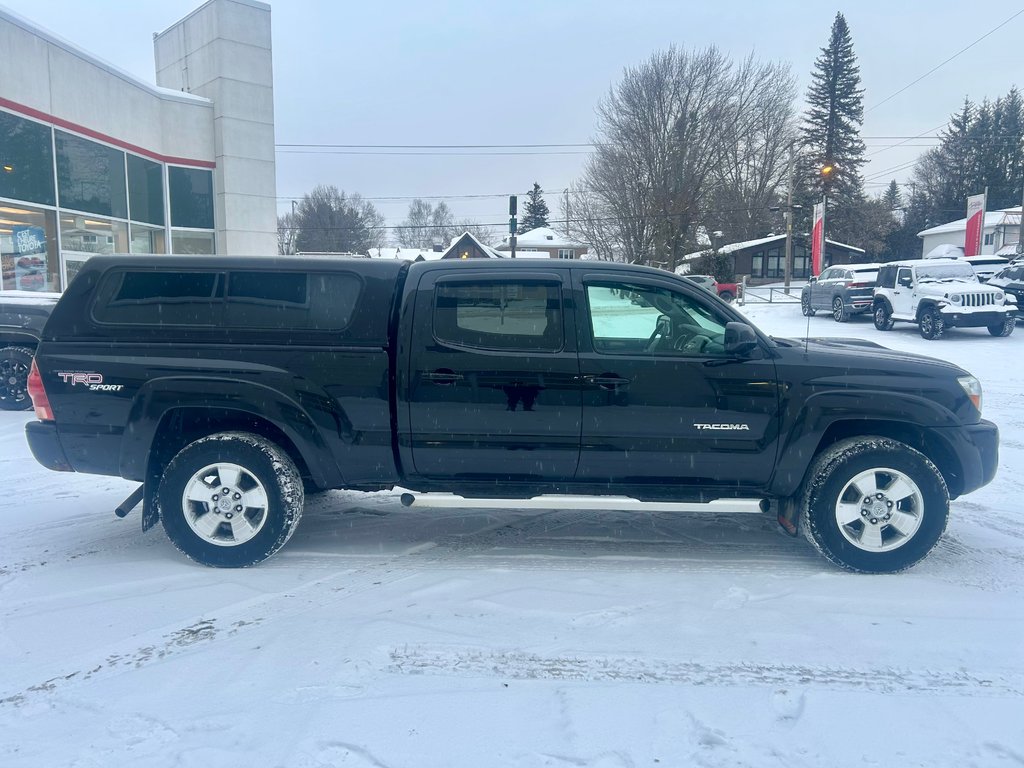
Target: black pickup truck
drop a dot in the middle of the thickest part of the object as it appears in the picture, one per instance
(22, 317)
(230, 387)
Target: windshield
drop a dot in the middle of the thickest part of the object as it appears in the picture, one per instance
(946, 272)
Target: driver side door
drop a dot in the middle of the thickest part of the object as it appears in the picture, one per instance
(662, 401)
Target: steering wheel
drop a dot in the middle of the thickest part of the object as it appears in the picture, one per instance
(694, 344)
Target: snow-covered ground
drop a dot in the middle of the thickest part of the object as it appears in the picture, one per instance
(386, 636)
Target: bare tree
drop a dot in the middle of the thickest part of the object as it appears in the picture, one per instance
(754, 161)
(677, 130)
(286, 234)
(590, 220)
(327, 220)
(425, 225)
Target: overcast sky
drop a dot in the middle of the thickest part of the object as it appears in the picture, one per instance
(479, 72)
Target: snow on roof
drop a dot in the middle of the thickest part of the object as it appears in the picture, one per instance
(731, 247)
(944, 251)
(406, 254)
(1000, 218)
(491, 252)
(543, 237)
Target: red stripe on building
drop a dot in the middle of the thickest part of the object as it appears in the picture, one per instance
(67, 124)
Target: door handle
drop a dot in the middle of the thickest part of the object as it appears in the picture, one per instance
(606, 380)
(442, 377)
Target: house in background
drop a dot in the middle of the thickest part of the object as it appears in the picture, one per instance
(763, 260)
(545, 240)
(1000, 237)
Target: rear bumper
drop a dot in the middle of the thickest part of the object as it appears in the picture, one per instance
(45, 445)
(976, 448)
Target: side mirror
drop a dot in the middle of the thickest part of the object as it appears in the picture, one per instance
(664, 327)
(812, 279)
(740, 339)
(906, 282)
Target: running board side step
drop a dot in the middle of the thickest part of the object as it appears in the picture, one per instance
(595, 503)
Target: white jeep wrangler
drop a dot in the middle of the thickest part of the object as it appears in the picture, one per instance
(938, 294)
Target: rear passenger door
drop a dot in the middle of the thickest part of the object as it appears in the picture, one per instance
(493, 384)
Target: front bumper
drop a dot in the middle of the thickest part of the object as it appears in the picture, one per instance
(976, 448)
(45, 445)
(956, 317)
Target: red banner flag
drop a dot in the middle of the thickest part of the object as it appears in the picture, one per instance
(975, 225)
(818, 239)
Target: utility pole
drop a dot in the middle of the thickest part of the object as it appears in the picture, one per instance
(789, 224)
(512, 208)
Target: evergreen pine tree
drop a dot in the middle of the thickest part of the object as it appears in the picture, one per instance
(535, 212)
(831, 133)
(891, 197)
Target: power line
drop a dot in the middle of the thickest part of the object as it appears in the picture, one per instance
(942, 64)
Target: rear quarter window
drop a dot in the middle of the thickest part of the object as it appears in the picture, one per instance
(234, 300)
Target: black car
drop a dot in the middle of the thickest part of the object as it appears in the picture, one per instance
(842, 290)
(1011, 280)
(22, 316)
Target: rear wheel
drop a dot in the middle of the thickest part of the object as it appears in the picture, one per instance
(726, 296)
(931, 324)
(839, 311)
(1004, 328)
(15, 363)
(883, 317)
(230, 500)
(874, 505)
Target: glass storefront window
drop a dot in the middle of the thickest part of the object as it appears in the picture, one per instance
(28, 249)
(26, 160)
(192, 243)
(191, 197)
(148, 239)
(87, 234)
(90, 177)
(146, 190)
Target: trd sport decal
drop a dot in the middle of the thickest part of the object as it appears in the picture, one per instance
(92, 381)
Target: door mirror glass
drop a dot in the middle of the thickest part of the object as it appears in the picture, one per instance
(906, 281)
(812, 279)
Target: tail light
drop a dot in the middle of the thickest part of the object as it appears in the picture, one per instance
(38, 394)
(861, 285)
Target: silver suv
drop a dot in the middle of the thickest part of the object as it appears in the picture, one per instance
(938, 294)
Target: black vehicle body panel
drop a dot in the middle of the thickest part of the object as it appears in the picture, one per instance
(384, 401)
(22, 317)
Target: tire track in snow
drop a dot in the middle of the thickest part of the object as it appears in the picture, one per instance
(517, 665)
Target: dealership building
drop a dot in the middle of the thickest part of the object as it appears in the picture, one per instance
(95, 160)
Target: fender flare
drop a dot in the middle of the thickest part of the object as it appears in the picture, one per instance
(159, 397)
(822, 412)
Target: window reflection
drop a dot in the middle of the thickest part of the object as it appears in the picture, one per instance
(26, 160)
(28, 249)
(90, 176)
(148, 239)
(197, 243)
(89, 234)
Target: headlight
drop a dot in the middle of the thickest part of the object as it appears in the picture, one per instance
(999, 295)
(956, 298)
(973, 389)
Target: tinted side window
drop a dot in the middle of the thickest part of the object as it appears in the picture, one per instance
(523, 316)
(887, 277)
(291, 300)
(159, 298)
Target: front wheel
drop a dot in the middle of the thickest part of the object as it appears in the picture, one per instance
(1004, 328)
(931, 324)
(726, 296)
(883, 318)
(805, 306)
(231, 499)
(874, 505)
(15, 364)
(839, 311)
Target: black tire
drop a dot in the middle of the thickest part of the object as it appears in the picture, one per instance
(1004, 328)
(832, 479)
(267, 473)
(726, 296)
(840, 312)
(883, 317)
(15, 364)
(931, 324)
(805, 306)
